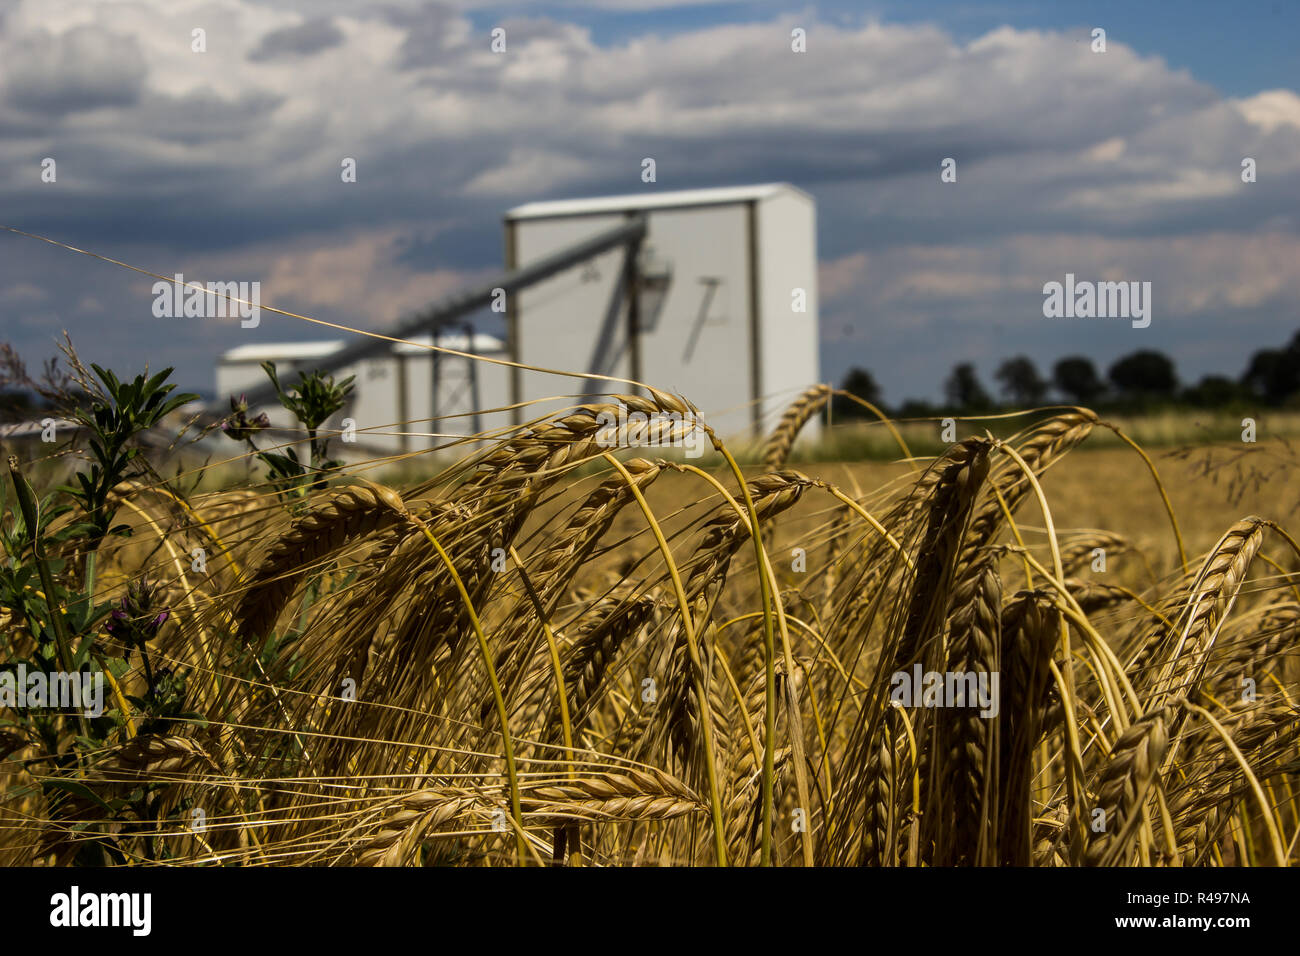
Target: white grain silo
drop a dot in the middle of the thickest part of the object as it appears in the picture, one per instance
(704, 306)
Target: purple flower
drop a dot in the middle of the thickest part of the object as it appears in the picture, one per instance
(136, 620)
(115, 624)
(238, 425)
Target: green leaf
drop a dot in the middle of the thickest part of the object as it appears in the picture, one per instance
(107, 377)
(269, 369)
(153, 383)
(78, 789)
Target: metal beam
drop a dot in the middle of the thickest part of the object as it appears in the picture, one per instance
(474, 401)
(632, 277)
(755, 321)
(512, 324)
(453, 307)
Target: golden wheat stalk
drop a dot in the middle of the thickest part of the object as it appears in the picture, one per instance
(1122, 787)
(311, 539)
(776, 450)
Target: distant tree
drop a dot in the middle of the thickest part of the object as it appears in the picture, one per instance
(861, 383)
(16, 404)
(1274, 374)
(54, 388)
(917, 408)
(1144, 374)
(1262, 375)
(1076, 378)
(964, 391)
(1214, 391)
(1020, 382)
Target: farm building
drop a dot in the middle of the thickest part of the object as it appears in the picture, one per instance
(406, 383)
(709, 293)
(716, 276)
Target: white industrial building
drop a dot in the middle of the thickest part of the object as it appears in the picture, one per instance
(714, 320)
(709, 293)
(407, 384)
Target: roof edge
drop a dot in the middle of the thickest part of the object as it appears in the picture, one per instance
(595, 205)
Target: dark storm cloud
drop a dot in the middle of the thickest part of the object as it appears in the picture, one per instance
(85, 68)
(311, 36)
(427, 29)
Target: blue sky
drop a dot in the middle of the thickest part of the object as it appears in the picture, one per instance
(1122, 165)
(1238, 47)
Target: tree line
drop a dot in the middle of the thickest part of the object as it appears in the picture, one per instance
(1140, 381)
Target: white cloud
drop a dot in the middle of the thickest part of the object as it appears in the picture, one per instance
(1271, 109)
(358, 275)
(1107, 151)
(527, 172)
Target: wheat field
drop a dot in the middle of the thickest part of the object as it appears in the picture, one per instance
(552, 651)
